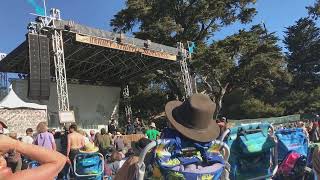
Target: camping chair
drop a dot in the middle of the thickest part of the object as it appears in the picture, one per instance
(88, 166)
(292, 153)
(169, 157)
(292, 139)
(252, 151)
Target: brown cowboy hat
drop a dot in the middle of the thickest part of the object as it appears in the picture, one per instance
(194, 117)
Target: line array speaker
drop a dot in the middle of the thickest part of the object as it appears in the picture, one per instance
(39, 62)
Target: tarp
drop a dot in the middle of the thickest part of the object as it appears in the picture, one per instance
(12, 101)
(272, 120)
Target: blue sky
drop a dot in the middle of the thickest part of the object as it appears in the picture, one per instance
(14, 16)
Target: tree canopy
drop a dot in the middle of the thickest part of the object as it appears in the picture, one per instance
(247, 74)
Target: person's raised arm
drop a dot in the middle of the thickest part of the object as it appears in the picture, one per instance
(51, 161)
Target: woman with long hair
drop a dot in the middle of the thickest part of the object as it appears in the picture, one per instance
(44, 138)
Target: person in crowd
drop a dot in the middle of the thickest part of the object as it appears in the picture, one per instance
(57, 139)
(103, 141)
(29, 136)
(92, 135)
(64, 146)
(138, 126)
(114, 164)
(3, 126)
(44, 138)
(222, 123)
(13, 157)
(75, 142)
(53, 131)
(129, 169)
(315, 133)
(129, 128)
(119, 142)
(112, 127)
(51, 161)
(192, 119)
(152, 133)
(303, 127)
(84, 134)
(316, 163)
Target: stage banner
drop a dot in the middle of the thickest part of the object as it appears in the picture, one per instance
(124, 47)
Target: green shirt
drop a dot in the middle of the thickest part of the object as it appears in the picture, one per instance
(152, 134)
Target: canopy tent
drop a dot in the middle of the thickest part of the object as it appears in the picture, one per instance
(19, 115)
(12, 101)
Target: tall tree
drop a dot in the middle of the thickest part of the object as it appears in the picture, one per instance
(172, 21)
(249, 62)
(303, 44)
(314, 10)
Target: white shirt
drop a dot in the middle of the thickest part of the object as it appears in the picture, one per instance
(27, 139)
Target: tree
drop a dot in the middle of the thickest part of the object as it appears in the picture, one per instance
(314, 11)
(172, 21)
(303, 44)
(249, 62)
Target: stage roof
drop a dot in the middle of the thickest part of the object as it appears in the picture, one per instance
(94, 55)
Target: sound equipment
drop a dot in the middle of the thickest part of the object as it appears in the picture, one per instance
(39, 62)
(34, 64)
(45, 67)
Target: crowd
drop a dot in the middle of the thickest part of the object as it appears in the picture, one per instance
(73, 141)
(55, 151)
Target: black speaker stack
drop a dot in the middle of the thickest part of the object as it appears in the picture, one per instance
(39, 61)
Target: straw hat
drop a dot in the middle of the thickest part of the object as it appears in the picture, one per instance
(89, 148)
(194, 118)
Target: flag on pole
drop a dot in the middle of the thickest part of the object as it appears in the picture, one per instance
(39, 9)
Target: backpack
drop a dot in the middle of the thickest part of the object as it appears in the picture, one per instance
(293, 165)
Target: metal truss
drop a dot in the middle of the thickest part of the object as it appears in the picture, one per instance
(60, 70)
(59, 63)
(126, 96)
(185, 75)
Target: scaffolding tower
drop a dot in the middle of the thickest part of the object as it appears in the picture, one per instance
(127, 103)
(185, 73)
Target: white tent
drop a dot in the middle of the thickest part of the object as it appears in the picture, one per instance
(19, 115)
(12, 101)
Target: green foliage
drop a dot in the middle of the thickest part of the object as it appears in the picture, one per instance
(314, 11)
(254, 108)
(171, 21)
(246, 74)
(303, 44)
(302, 102)
(250, 63)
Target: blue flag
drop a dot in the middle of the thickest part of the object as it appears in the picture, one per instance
(39, 9)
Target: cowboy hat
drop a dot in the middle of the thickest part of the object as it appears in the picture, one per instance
(153, 125)
(194, 118)
(89, 148)
(3, 124)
